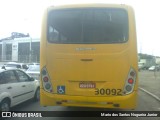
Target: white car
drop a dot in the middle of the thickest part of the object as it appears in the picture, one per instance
(33, 64)
(14, 65)
(34, 71)
(152, 68)
(16, 87)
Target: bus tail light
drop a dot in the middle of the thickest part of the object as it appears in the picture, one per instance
(130, 82)
(46, 82)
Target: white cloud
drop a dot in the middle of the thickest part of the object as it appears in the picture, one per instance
(25, 16)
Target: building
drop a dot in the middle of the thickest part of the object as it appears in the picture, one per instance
(157, 60)
(24, 49)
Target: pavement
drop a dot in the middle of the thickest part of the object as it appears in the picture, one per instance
(149, 82)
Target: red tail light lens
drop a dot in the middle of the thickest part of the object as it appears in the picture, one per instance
(130, 81)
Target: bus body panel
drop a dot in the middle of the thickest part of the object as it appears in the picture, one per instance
(68, 67)
(124, 102)
(105, 65)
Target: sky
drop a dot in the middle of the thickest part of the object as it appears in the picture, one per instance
(25, 16)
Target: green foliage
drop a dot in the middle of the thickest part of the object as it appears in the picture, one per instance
(145, 56)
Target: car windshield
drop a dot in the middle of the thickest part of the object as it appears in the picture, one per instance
(34, 68)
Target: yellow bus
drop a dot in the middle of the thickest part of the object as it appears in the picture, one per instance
(89, 56)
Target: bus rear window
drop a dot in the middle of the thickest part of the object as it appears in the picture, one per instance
(88, 26)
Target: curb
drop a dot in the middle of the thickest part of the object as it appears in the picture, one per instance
(156, 97)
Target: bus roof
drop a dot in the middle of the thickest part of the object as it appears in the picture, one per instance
(90, 5)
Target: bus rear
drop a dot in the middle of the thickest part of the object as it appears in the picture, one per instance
(89, 56)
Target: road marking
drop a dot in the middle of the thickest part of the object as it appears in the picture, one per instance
(151, 94)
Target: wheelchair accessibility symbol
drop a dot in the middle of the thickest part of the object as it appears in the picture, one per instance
(61, 89)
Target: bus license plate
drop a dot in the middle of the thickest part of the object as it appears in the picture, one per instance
(87, 85)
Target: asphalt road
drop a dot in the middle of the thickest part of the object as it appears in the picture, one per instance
(145, 103)
(150, 81)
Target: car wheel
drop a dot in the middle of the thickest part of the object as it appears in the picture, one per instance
(37, 95)
(5, 105)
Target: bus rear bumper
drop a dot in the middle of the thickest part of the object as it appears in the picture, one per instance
(122, 102)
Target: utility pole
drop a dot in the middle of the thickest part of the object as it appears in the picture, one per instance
(30, 51)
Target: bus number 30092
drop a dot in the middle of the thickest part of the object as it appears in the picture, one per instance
(103, 91)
